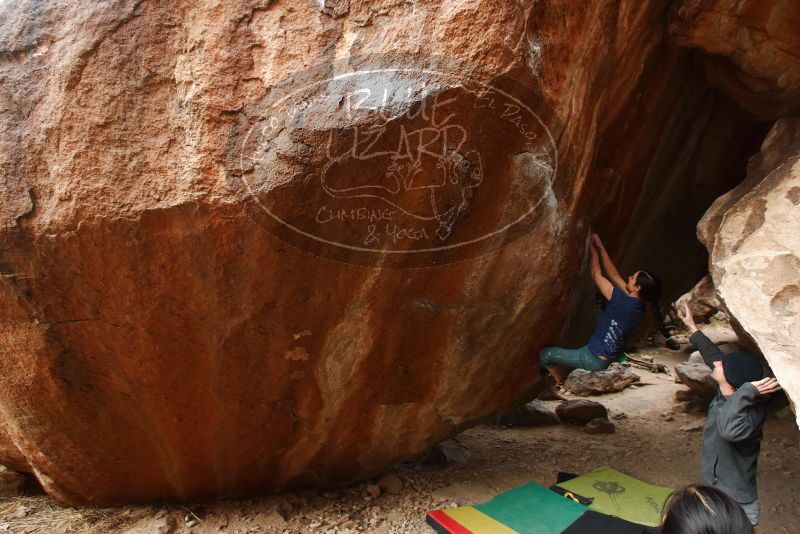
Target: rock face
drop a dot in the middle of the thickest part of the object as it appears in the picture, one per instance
(205, 208)
(615, 378)
(753, 236)
(747, 48)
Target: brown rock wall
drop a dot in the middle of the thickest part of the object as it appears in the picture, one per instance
(159, 327)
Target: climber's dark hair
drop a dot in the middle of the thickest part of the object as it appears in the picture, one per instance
(650, 291)
(651, 286)
(702, 509)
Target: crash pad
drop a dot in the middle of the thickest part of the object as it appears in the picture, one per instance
(528, 509)
(617, 494)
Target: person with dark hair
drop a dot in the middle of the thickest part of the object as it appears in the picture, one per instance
(701, 509)
(733, 431)
(627, 300)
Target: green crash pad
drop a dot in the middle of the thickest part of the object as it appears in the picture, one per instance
(620, 495)
(527, 509)
(532, 509)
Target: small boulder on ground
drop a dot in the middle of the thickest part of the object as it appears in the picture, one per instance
(600, 426)
(580, 411)
(390, 484)
(534, 413)
(11, 483)
(697, 377)
(615, 378)
(22, 511)
(373, 490)
(444, 453)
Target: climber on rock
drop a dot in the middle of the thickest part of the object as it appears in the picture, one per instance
(626, 306)
(733, 431)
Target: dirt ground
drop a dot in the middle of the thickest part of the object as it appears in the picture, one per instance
(649, 444)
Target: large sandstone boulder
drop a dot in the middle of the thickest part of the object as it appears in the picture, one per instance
(753, 236)
(748, 49)
(254, 245)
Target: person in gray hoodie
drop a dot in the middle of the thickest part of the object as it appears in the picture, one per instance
(733, 431)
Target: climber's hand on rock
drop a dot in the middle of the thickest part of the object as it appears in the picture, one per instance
(766, 386)
(597, 242)
(686, 316)
(593, 248)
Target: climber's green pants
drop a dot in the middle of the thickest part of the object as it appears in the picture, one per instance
(580, 358)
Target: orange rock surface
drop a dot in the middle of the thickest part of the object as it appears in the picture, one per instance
(175, 320)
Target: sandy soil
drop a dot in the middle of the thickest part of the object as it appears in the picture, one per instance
(649, 443)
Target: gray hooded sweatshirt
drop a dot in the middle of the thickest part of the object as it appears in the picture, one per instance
(733, 432)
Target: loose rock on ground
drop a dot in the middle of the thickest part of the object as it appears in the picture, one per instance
(580, 411)
(534, 413)
(390, 484)
(600, 426)
(697, 377)
(615, 378)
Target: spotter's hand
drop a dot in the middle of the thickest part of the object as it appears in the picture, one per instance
(686, 317)
(766, 386)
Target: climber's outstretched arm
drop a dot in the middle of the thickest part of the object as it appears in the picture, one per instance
(608, 265)
(600, 281)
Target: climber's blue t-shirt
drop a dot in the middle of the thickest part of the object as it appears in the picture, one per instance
(621, 315)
